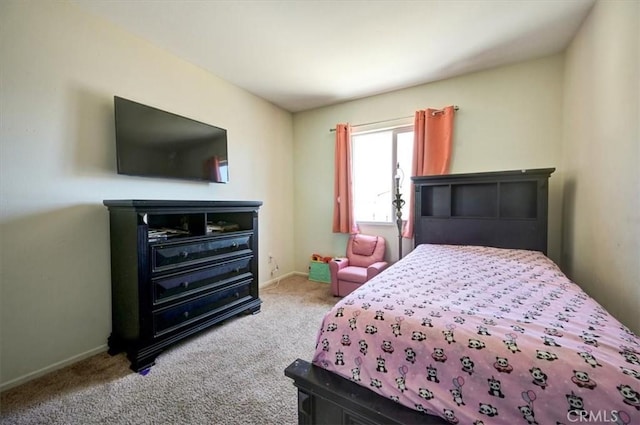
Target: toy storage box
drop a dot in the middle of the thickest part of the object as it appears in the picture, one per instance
(319, 272)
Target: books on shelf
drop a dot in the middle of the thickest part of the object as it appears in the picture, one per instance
(222, 226)
(165, 233)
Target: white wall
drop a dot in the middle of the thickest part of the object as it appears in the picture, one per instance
(60, 71)
(509, 118)
(601, 159)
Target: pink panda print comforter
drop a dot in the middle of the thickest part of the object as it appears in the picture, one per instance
(480, 335)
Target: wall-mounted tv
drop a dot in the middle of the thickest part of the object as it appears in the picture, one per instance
(155, 143)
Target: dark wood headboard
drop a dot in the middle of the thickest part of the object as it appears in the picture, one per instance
(503, 209)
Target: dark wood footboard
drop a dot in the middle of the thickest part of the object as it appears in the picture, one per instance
(326, 398)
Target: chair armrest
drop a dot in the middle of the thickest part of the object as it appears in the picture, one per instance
(376, 268)
(338, 264)
(334, 266)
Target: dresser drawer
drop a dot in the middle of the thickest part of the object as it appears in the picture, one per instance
(171, 318)
(225, 273)
(170, 256)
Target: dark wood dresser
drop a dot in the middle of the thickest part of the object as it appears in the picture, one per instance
(177, 268)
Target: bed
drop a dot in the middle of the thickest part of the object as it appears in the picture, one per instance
(474, 326)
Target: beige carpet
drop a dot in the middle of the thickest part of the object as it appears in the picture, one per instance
(231, 374)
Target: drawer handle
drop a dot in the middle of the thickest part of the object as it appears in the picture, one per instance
(237, 295)
(184, 254)
(185, 314)
(234, 245)
(184, 284)
(236, 270)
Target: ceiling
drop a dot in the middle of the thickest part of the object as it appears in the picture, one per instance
(304, 54)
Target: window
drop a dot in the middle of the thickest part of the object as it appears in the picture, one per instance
(377, 157)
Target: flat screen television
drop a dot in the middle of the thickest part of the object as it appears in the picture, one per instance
(155, 143)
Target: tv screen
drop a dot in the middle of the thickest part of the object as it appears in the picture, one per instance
(155, 143)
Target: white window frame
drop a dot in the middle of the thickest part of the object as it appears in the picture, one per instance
(395, 131)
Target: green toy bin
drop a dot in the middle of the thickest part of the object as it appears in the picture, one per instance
(319, 272)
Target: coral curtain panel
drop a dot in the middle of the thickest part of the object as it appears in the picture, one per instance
(343, 220)
(433, 135)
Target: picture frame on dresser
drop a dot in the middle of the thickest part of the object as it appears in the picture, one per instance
(176, 271)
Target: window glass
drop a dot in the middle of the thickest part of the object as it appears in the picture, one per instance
(375, 159)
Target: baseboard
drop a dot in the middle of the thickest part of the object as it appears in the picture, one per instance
(71, 360)
(277, 279)
(51, 368)
(268, 283)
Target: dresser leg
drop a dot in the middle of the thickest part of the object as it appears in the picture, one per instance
(144, 371)
(115, 347)
(142, 365)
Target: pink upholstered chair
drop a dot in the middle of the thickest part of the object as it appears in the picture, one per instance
(364, 260)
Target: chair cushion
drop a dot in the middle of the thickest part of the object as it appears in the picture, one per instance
(353, 274)
(364, 245)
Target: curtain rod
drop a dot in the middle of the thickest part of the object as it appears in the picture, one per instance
(455, 108)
